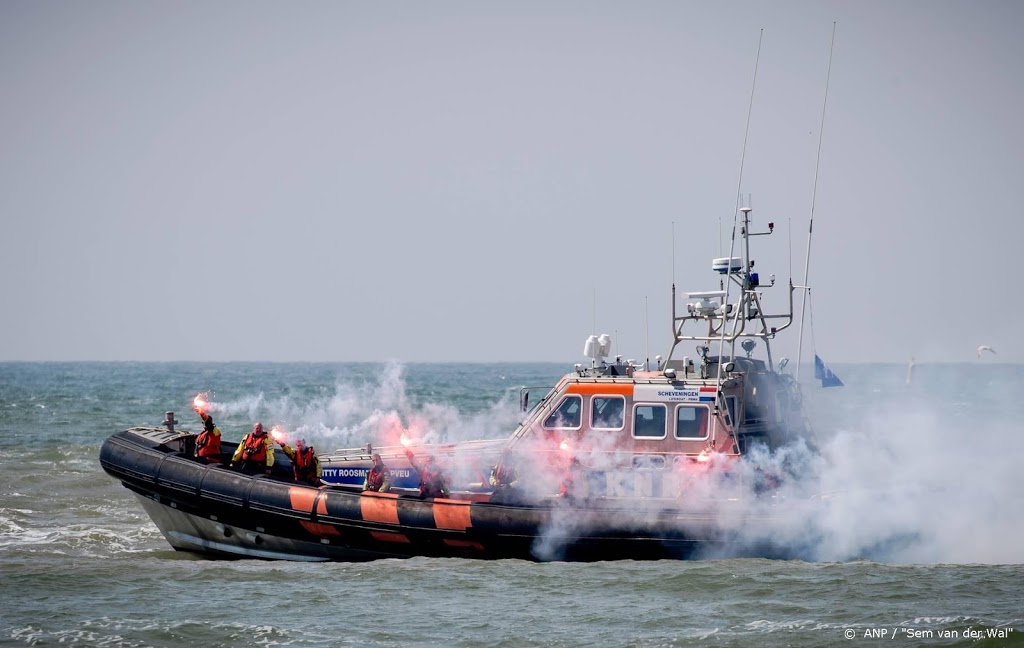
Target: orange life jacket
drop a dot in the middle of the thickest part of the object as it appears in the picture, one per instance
(208, 444)
(431, 482)
(304, 466)
(375, 480)
(255, 448)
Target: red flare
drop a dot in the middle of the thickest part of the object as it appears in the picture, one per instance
(565, 445)
(199, 403)
(404, 440)
(278, 434)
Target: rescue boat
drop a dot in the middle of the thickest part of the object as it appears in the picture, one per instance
(618, 460)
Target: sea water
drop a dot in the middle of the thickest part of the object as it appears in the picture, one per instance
(922, 544)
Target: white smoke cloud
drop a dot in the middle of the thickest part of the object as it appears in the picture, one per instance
(906, 480)
(907, 483)
(374, 411)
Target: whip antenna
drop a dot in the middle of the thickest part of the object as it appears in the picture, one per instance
(673, 253)
(746, 134)
(736, 214)
(647, 334)
(810, 224)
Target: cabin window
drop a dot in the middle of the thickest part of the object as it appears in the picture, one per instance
(606, 412)
(649, 421)
(691, 422)
(568, 414)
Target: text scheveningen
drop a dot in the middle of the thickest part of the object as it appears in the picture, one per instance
(685, 395)
(672, 394)
(680, 394)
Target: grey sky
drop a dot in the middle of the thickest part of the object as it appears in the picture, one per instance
(458, 180)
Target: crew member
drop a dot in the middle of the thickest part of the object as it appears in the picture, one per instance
(504, 475)
(379, 477)
(305, 463)
(255, 452)
(574, 485)
(433, 482)
(208, 441)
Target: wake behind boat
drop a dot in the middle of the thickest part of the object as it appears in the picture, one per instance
(618, 460)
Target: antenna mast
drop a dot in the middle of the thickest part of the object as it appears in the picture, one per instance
(810, 225)
(743, 152)
(647, 336)
(735, 217)
(674, 331)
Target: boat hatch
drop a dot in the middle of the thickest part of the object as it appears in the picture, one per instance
(649, 462)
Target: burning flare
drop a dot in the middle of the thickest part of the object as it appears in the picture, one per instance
(278, 433)
(199, 403)
(404, 440)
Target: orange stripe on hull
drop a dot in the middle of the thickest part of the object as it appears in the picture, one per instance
(453, 516)
(318, 529)
(600, 388)
(388, 536)
(464, 544)
(379, 507)
(302, 499)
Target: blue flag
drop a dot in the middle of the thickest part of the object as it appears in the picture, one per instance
(824, 374)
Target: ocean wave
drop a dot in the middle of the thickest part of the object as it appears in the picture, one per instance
(87, 540)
